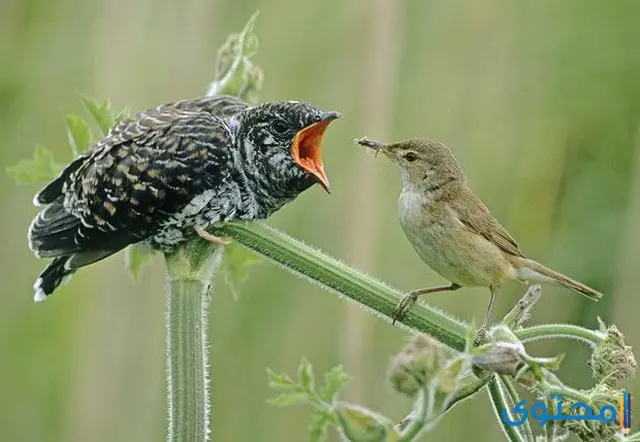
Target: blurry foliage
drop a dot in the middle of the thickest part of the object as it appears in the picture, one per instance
(305, 390)
(540, 101)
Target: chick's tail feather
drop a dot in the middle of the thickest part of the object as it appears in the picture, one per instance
(530, 270)
(51, 277)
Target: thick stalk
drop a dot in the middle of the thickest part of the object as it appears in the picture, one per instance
(333, 274)
(191, 269)
(187, 345)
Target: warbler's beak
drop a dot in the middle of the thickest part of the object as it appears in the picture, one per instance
(306, 148)
(377, 146)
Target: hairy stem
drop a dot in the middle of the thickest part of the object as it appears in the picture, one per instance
(498, 395)
(513, 396)
(191, 269)
(344, 280)
(421, 413)
(563, 331)
(187, 345)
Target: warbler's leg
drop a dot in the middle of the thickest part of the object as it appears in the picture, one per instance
(482, 334)
(487, 315)
(405, 303)
(209, 237)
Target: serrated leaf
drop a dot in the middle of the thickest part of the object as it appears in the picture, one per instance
(101, 112)
(334, 380)
(305, 375)
(136, 256)
(41, 168)
(235, 265)
(360, 424)
(79, 134)
(318, 426)
(286, 399)
(280, 381)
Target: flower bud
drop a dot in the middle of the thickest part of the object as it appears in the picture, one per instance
(501, 357)
(359, 424)
(418, 362)
(612, 360)
(592, 430)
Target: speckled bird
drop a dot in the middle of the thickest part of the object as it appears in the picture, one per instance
(170, 172)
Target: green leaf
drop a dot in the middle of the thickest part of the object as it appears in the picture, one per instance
(40, 168)
(334, 380)
(359, 424)
(235, 265)
(79, 134)
(102, 113)
(286, 399)
(305, 374)
(318, 427)
(280, 381)
(136, 256)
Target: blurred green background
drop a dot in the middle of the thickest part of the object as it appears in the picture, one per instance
(539, 100)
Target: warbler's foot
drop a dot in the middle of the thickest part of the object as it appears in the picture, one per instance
(482, 337)
(403, 306)
(211, 238)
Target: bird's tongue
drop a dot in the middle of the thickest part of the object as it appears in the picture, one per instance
(306, 150)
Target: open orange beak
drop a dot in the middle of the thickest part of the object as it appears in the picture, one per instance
(306, 148)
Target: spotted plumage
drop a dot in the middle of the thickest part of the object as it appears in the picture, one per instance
(169, 171)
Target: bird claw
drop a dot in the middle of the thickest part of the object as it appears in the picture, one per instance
(403, 306)
(482, 337)
(202, 233)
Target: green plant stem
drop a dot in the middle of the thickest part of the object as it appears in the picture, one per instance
(333, 274)
(187, 345)
(469, 385)
(191, 269)
(497, 394)
(420, 415)
(514, 398)
(563, 331)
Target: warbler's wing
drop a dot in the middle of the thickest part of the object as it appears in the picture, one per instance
(472, 212)
(147, 169)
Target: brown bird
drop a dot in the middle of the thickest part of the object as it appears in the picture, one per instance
(451, 228)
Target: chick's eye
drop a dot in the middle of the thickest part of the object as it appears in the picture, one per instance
(280, 127)
(410, 156)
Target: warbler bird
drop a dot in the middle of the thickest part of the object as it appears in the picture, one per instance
(170, 172)
(451, 228)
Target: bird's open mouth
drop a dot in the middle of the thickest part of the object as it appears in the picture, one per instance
(306, 148)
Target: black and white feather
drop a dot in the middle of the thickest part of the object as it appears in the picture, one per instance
(163, 172)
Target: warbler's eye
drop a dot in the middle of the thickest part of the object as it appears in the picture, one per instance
(410, 157)
(280, 127)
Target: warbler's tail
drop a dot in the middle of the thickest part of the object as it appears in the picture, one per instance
(530, 270)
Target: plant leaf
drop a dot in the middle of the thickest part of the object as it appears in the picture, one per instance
(42, 167)
(305, 374)
(102, 113)
(286, 399)
(334, 380)
(79, 134)
(318, 427)
(280, 381)
(136, 256)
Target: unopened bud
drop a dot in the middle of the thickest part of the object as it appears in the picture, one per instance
(359, 424)
(418, 362)
(592, 430)
(501, 357)
(612, 360)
